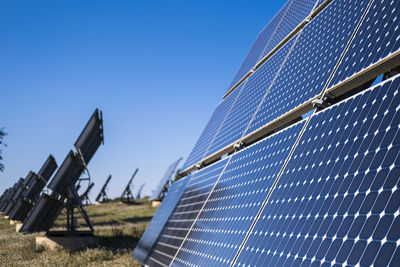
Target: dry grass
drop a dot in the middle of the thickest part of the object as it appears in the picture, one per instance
(118, 225)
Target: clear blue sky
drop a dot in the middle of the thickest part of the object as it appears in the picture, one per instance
(156, 69)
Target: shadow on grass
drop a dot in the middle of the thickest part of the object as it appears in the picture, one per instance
(138, 219)
(116, 243)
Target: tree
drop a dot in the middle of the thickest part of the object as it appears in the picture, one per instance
(2, 135)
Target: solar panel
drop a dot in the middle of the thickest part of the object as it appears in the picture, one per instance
(235, 201)
(210, 130)
(11, 200)
(285, 21)
(185, 212)
(91, 137)
(311, 62)
(159, 219)
(158, 192)
(337, 201)
(248, 100)
(102, 196)
(43, 215)
(377, 39)
(64, 194)
(67, 174)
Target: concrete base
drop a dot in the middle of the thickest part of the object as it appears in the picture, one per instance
(71, 243)
(155, 203)
(18, 227)
(6, 217)
(12, 222)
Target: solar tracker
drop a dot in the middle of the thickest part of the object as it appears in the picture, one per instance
(102, 196)
(337, 201)
(32, 188)
(139, 192)
(159, 219)
(210, 130)
(11, 199)
(377, 39)
(64, 194)
(158, 193)
(184, 214)
(18, 194)
(127, 195)
(293, 13)
(235, 201)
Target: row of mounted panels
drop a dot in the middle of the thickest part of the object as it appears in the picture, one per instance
(324, 191)
(290, 16)
(345, 39)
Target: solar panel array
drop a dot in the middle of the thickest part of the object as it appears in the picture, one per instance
(323, 190)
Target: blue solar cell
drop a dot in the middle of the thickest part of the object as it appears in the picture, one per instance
(248, 100)
(311, 61)
(288, 18)
(210, 130)
(235, 201)
(165, 179)
(253, 56)
(159, 219)
(298, 11)
(377, 38)
(185, 212)
(338, 199)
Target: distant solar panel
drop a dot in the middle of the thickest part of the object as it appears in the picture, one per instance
(235, 201)
(32, 188)
(377, 39)
(210, 130)
(159, 219)
(158, 192)
(196, 192)
(337, 201)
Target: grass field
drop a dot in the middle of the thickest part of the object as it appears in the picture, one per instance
(119, 227)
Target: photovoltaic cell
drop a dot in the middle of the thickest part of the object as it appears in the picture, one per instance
(298, 11)
(235, 201)
(338, 199)
(165, 179)
(285, 21)
(314, 56)
(196, 192)
(159, 219)
(210, 130)
(254, 54)
(377, 38)
(248, 100)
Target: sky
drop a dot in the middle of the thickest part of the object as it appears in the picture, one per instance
(156, 69)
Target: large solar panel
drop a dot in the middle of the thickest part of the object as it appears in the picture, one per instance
(235, 201)
(285, 21)
(185, 212)
(377, 39)
(210, 130)
(248, 100)
(316, 53)
(165, 179)
(337, 201)
(159, 219)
